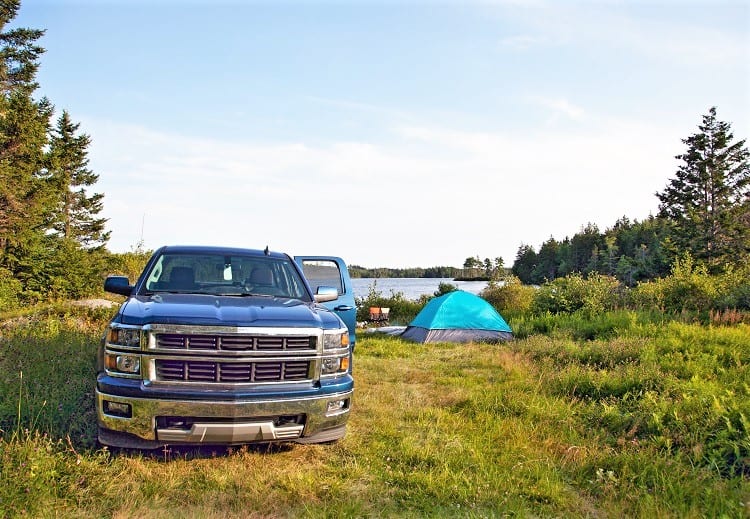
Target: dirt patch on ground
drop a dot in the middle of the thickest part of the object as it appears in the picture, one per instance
(96, 303)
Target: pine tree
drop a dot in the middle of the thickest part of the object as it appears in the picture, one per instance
(24, 192)
(75, 214)
(19, 53)
(524, 264)
(547, 265)
(708, 201)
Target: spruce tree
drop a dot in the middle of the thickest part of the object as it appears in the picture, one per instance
(19, 53)
(525, 263)
(708, 202)
(25, 195)
(75, 215)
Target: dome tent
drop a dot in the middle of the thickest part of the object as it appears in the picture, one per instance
(458, 317)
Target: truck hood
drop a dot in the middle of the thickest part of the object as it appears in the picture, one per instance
(209, 310)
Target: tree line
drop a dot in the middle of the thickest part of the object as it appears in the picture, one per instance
(704, 211)
(473, 268)
(52, 237)
(357, 271)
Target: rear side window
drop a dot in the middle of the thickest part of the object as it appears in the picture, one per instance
(323, 273)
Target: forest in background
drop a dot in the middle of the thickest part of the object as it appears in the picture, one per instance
(53, 240)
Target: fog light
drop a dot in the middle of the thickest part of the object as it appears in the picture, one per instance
(336, 405)
(118, 409)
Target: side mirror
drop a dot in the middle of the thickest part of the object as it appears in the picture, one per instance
(325, 294)
(118, 285)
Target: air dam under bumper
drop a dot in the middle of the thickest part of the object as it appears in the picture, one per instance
(221, 422)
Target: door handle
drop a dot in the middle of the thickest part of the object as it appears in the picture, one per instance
(344, 308)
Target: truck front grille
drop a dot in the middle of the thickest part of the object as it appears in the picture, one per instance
(234, 342)
(231, 372)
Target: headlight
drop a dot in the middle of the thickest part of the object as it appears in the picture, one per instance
(334, 365)
(335, 339)
(127, 337)
(122, 363)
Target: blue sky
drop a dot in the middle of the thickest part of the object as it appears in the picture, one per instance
(391, 133)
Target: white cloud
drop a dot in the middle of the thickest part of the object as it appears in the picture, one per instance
(666, 39)
(435, 196)
(521, 42)
(558, 107)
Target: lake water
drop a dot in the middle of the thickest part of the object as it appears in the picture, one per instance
(412, 288)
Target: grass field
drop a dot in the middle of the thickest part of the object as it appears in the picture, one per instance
(625, 415)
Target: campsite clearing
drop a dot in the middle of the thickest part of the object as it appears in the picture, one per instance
(645, 423)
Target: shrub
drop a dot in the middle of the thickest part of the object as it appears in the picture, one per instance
(10, 287)
(688, 288)
(445, 288)
(593, 295)
(510, 298)
(734, 288)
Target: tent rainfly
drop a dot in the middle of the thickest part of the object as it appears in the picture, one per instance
(458, 317)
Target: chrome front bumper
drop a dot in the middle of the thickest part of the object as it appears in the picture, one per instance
(222, 422)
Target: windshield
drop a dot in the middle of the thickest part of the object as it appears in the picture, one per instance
(217, 274)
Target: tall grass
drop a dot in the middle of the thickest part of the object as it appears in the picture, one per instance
(644, 417)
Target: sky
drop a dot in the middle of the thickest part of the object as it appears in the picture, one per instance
(390, 133)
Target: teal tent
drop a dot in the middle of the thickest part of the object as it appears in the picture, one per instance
(458, 317)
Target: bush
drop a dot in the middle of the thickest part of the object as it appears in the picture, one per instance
(593, 295)
(734, 289)
(511, 298)
(10, 287)
(688, 288)
(445, 288)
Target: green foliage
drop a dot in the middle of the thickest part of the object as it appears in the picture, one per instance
(476, 269)
(51, 240)
(708, 201)
(75, 214)
(690, 287)
(583, 327)
(25, 195)
(592, 295)
(734, 288)
(445, 288)
(10, 287)
(510, 297)
(63, 270)
(523, 266)
(629, 251)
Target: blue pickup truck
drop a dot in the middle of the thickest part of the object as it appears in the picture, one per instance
(218, 345)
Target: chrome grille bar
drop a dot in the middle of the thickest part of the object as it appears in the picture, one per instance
(176, 370)
(182, 341)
